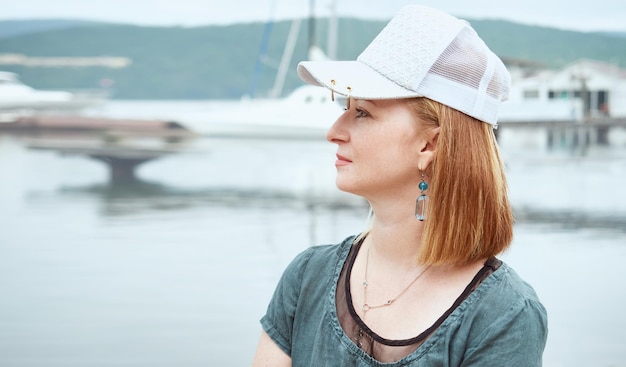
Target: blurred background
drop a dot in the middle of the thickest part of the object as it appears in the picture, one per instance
(161, 164)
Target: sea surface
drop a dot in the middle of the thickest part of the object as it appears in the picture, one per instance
(177, 268)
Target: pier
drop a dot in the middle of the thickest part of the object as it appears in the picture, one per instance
(122, 144)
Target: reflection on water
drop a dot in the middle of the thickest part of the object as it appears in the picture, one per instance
(127, 198)
(175, 269)
(130, 197)
(572, 220)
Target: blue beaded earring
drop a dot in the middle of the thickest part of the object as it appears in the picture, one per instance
(422, 200)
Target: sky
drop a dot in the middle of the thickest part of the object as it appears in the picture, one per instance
(581, 15)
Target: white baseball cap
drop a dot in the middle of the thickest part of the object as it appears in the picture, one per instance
(422, 52)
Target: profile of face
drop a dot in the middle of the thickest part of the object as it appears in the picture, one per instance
(380, 149)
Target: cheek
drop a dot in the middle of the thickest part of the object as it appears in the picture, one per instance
(399, 151)
(395, 163)
(385, 154)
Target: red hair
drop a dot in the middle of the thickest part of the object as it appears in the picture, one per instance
(469, 216)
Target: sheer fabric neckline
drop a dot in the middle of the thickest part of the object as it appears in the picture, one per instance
(374, 344)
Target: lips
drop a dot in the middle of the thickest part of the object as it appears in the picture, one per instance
(342, 161)
(342, 158)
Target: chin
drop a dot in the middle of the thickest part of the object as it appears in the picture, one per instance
(348, 187)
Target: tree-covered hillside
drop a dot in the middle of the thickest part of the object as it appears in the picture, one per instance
(220, 61)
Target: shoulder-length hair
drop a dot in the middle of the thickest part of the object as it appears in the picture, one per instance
(468, 215)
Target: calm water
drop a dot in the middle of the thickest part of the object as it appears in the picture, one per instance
(177, 269)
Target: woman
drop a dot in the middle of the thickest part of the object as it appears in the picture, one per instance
(422, 286)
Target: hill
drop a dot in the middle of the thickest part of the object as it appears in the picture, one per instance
(214, 62)
(11, 28)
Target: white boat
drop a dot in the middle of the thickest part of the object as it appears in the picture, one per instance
(18, 99)
(306, 113)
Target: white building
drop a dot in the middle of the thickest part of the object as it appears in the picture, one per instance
(556, 94)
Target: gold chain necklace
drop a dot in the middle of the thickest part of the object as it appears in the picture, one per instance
(366, 307)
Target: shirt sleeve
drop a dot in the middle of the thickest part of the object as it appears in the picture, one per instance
(279, 318)
(516, 338)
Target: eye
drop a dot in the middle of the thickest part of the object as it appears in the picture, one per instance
(361, 113)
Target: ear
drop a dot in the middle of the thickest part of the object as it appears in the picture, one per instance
(428, 149)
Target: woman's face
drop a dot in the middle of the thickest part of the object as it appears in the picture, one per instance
(378, 149)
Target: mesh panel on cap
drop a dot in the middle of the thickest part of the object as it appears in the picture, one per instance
(468, 63)
(499, 85)
(461, 62)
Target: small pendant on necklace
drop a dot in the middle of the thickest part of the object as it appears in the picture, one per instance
(364, 283)
(365, 307)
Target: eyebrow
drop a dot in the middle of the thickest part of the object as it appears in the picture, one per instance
(372, 101)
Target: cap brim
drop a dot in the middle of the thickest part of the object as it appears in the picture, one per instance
(352, 78)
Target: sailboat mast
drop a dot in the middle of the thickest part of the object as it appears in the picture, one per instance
(258, 66)
(286, 59)
(312, 39)
(332, 32)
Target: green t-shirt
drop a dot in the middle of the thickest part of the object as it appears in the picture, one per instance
(501, 323)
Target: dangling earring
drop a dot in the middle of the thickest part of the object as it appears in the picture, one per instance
(348, 99)
(332, 90)
(422, 200)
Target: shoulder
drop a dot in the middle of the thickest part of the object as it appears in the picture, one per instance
(308, 273)
(514, 289)
(324, 254)
(504, 290)
(297, 298)
(504, 311)
(505, 301)
(317, 259)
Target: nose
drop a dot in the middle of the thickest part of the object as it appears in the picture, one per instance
(337, 133)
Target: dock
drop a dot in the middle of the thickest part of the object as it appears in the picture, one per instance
(95, 125)
(122, 144)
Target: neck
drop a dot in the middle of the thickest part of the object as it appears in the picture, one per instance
(395, 238)
(395, 233)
